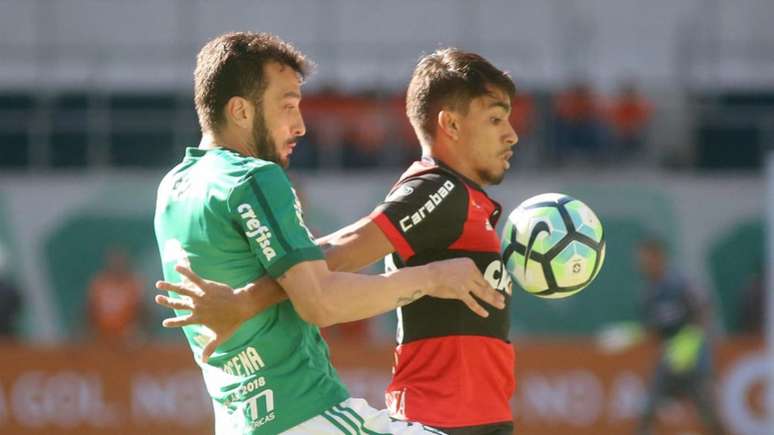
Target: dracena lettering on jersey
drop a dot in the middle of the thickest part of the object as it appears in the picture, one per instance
(434, 199)
(245, 363)
(257, 231)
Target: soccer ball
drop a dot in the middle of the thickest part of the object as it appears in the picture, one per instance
(553, 245)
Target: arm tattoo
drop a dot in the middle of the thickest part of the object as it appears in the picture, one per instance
(403, 300)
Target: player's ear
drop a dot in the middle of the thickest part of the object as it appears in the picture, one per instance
(449, 124)
(240, 112)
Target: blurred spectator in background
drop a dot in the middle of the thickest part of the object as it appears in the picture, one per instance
(368, 124)
(577, 124)
(753, 304)
(629, 115)
(678, 316)
(115, 303)
(359, 331)
(522, 114)
(402, 132)
(10, 300)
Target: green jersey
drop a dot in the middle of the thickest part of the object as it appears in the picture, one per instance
(234, 219)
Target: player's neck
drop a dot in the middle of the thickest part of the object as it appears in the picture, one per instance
(213, 140)
(453, 160)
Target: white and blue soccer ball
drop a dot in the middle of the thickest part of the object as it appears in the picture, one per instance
(553, 245)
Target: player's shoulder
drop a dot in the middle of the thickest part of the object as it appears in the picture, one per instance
(241, 167)
(242, 171)
(259, 179)
(167, 182)
(428, 181)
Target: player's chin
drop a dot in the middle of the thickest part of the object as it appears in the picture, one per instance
(494, 176)
(284, 161)
(498, 179)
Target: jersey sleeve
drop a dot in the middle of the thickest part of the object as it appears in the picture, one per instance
(422, 213)
(268, 214)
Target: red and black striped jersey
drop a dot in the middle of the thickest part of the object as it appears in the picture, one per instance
(453, 368)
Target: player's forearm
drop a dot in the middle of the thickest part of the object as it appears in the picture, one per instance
(346, 297)
(345, 251)
(329, 240)
(259, 295)
(265, 291)
(354, 247)
(343, 258)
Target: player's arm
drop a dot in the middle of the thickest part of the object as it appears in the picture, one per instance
(222, 309)
(366, 241)
(281, 243)
(347, 250)
(325, 298)
(415, 217)
(355, 246)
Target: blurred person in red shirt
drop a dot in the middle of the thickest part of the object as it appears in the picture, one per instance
(522, 114)
(577, 126)
(629, 115)
(368, 129)
(114, 304)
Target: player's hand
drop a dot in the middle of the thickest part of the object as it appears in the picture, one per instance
(459, 278)
(213, 305)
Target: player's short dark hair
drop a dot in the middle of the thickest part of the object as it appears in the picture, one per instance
(231, 65)
(449, 78)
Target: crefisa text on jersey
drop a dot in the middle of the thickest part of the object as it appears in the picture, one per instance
(432, 203)
(256, 230)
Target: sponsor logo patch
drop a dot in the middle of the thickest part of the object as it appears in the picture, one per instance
(433, 201)
(257, 231)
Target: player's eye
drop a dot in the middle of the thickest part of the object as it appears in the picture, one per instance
(494, 120)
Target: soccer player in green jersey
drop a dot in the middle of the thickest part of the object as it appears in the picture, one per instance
(229, 214)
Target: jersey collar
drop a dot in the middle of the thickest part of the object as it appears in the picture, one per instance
(427, 160)
(430, 162)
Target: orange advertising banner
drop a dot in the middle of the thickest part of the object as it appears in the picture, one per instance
(564, 388)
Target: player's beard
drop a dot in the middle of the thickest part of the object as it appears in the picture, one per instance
(491, 178)
(265, 147)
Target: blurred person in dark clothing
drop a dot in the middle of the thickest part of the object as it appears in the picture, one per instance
(629, 115)
(752, 317)
(10, 300)
(677, 315)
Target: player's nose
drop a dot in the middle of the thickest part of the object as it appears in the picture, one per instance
(299, 128)
(511, 138)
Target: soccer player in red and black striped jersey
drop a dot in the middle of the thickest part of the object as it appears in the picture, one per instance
(453, 370)
(454, 365)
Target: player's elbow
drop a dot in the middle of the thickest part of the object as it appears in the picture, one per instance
(307, 291)
(315, 311)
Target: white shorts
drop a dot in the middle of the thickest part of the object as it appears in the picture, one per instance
(356, 417)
